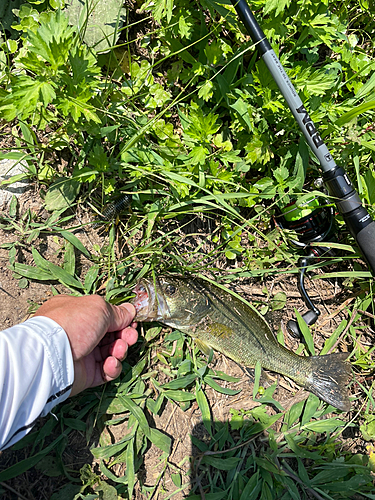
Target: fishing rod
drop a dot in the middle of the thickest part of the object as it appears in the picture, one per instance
(355, 215)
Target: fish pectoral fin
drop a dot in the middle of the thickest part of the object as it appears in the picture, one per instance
(206, 349)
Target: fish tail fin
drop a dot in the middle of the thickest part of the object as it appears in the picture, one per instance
(329, 379)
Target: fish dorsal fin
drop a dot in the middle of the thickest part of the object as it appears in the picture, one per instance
(203, 347)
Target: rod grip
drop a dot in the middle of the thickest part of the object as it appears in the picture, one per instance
(366, 242)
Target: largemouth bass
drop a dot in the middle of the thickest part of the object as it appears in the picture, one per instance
(217, 319)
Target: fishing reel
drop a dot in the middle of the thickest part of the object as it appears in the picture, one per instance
(313, 221)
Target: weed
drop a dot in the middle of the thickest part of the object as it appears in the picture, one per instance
(176, 111)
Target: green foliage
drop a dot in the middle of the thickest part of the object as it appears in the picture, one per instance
(300, 460)
(100, 21)
(183, 116)
(52, 69)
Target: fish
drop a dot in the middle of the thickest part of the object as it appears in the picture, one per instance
(217, 319)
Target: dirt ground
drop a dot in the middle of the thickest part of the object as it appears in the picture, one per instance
(16, 304)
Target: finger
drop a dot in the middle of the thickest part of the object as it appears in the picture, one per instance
(121, 316)
(128, 334)
(111, 369)
(118, 349)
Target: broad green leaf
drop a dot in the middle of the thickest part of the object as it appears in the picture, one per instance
(61, 194)
(179, 395)
(300, 451)
(223, 390)
(241, 107)
(206, 91)
(180, 382)
(111, 476)
(204, 408)
(311, 406)
(100, 21)
(162, 441)
(69, 258)
(13, 179)
(76, 424)
(328, 425)
(306, 333)
(137, 413)
(90, 278)
(130, 469)
(294, 413)
(330, 342)
(107, 491)
(357, 110)
(221, 463)
(33, 273)
(61, 275)
(366, 88)
(72, 238)
(257, 375)
(252, 488)
(106, 452)
(278, 301)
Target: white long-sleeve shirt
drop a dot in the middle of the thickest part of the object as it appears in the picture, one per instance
(36, 374)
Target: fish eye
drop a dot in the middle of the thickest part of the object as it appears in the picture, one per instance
(170, 290)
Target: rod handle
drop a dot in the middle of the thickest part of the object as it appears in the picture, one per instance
(366, 242)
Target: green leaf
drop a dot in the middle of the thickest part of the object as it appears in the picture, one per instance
(306, 333)
(223, 390)
(180, 382)
(357, 110)
(101, 21)
(277, 5)
(61, 194)
(26, 464)
(204, 408)
(258, 373)
(130, 468)
(278, 301)
(179, 395)
(368, 428)
(69, 258)
(76, 424)
(65, 278)
(198, 155)
(162, 441)
(221, 463)
(107, 491)
(32, 273)
(106, 452)
(72, 238)
(90, 278)
(328, 425)
(206, 91)
(137, 413)
(311, 406)
(294, 413)
(330, 342)
(252, 488)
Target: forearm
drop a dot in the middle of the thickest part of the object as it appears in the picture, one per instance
(36, 373)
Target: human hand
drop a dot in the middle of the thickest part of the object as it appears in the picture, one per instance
(99, 335)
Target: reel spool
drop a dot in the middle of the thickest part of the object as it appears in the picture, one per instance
(312, 221)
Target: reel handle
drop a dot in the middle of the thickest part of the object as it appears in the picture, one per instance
(309, 318)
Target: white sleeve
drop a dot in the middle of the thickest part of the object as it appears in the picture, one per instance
(36, 374)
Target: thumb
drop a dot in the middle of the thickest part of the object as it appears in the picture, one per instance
(121, 316)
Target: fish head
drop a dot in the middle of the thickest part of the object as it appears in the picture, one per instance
(174, 301)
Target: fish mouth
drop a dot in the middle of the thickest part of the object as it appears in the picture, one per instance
(149, 304)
